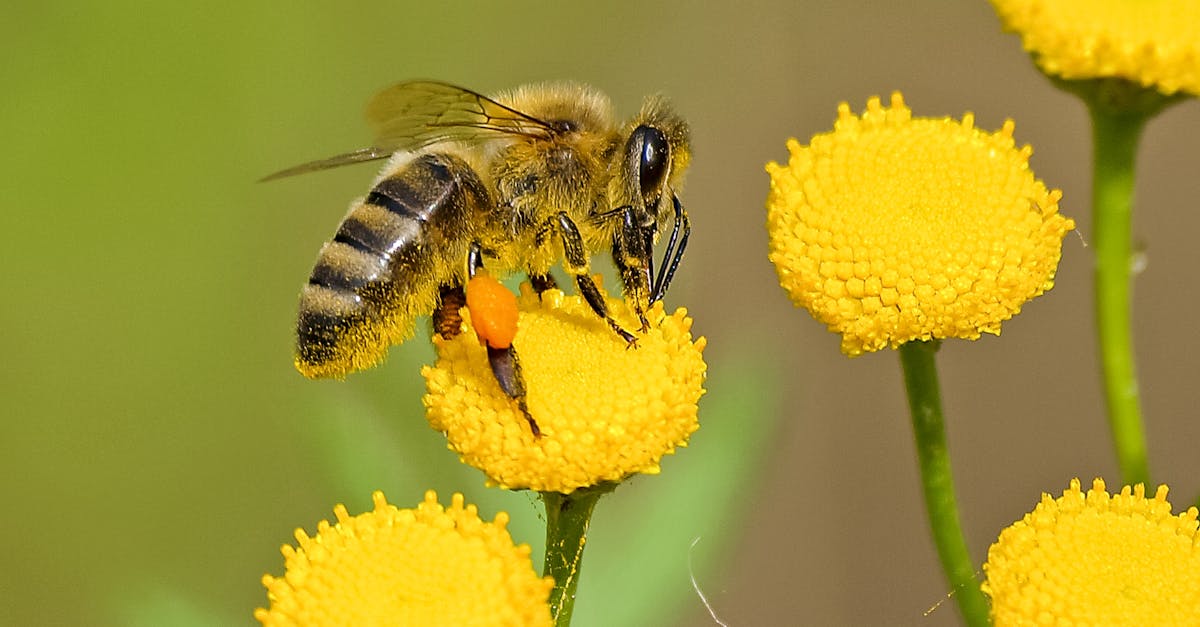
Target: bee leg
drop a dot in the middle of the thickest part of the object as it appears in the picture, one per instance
(542, 282)
(506, 367)
(447, 321)
(648, 234)
(474, 260)
(633, 255)
(575, 262)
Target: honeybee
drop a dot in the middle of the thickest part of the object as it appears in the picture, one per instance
(518, 182)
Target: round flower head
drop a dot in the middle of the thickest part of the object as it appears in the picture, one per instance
(893, 228)
(425, 566)
(1092, 559)
(1153, 43)
(605, 410)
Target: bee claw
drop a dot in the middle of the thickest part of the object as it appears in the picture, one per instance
(629, 338)
(533, 425)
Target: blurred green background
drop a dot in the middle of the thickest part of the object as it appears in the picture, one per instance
(156, 446)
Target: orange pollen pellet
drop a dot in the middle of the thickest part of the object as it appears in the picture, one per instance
(493, 310)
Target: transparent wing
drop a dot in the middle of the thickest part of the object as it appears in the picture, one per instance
(416, 114)
(358, 156)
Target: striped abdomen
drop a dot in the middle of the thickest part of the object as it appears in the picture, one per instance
(384, 266)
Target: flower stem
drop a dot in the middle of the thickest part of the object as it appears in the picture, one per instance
(567, 519)
(937, 479)
(1119, 110)
(1116, 134)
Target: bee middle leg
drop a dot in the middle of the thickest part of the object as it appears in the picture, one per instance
(575, 261)
(446, 318)
(542, 283)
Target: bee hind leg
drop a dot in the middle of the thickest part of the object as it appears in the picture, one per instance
(506, 367)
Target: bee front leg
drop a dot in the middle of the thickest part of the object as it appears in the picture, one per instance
(632, 254)
(575, 262)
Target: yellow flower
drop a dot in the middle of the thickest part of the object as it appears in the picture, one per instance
(893, 228)
(425, 566)
(605, 410)
(1155, 43)
(1092, 559)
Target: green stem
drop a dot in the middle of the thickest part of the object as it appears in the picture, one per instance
(567, 519)
(1116, 134)
(1119, 110)
(937, 479)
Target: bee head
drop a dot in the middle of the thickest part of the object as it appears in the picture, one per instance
(656, 154)
(644, 193)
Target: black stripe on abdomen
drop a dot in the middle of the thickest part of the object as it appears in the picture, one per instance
(362, 237)
(389, 250)
(422, 188)
(347, 263)
(327, 315)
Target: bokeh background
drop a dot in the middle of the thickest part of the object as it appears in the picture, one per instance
(156, 446)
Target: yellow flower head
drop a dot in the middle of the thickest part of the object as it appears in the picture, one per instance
(605, 410)
(1092, 559)
(893, 228)
(1155, 43)
(425, 566)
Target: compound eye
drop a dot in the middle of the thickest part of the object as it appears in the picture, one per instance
(653, 162)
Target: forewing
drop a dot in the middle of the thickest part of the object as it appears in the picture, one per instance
(416, 114)
(357, 156)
